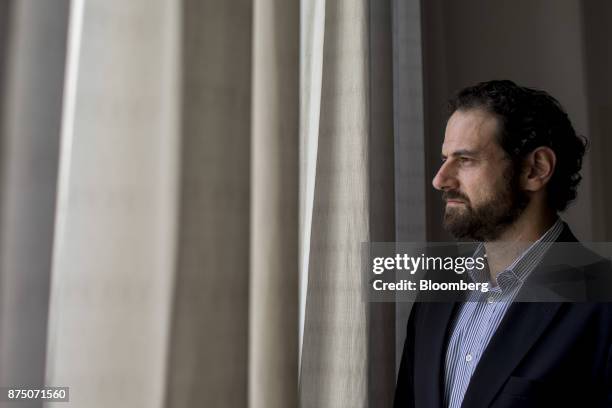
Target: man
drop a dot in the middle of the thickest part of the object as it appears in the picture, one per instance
(510, 162)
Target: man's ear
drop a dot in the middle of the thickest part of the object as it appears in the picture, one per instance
(538, 168)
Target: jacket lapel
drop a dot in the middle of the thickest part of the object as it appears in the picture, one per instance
(429, 353)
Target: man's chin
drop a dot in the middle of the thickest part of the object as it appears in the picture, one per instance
(455, 211)
(458, 223)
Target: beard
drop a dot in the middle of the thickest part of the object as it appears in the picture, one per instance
(489, 220)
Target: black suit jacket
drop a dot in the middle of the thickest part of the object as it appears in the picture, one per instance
(553, 354)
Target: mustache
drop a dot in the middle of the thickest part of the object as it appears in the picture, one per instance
(454, 195)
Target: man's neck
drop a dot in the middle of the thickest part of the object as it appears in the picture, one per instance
(530, 227)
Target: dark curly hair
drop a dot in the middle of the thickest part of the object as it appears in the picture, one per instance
(531, 118)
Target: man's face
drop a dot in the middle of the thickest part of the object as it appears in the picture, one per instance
(477, 178)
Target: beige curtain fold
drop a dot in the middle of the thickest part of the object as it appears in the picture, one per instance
(175, 255)
(114, 246)
(411, 180)
(273, 330)
(383, 198)
(209, 346)
(352, 177)
(312, 30)
(234, 339)
(32, 55)
(349, 343)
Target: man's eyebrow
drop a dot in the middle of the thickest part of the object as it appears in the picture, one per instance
(463, 152)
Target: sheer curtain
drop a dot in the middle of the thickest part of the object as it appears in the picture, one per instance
(347, 128)
(335, 342)
(158, 202)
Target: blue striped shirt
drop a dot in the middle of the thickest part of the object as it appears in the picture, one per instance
(478, 318)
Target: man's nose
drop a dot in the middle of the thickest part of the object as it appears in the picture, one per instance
(445, 178)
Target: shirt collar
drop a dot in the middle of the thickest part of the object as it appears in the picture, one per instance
(523, 265)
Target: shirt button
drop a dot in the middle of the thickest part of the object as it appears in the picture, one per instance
(468, 358)
(490, 299)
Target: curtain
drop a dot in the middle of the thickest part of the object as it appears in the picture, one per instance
(273, 364)
(32, 55)
(335, 342)
(114, 244)
(348, 353)
(150, 201)
(162, 203)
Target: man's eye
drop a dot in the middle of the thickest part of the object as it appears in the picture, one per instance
(465, 159)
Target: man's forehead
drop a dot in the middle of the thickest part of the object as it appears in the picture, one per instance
(472, 130)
